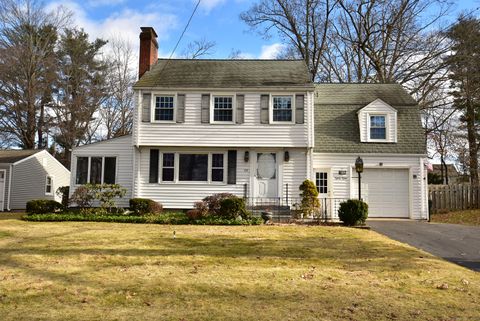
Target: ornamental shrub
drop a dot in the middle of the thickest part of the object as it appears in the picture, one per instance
(142, 206)
(353, 212)
(106, 194)
(233, 207)
(63, 192)
(310, 205)
(213, 202)
(43, 206)
(83, 196)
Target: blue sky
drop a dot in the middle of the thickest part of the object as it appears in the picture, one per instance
(216, 20)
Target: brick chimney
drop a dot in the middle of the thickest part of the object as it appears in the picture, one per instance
(148, 50)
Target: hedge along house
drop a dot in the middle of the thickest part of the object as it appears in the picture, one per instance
(257, 129)
(29, 174)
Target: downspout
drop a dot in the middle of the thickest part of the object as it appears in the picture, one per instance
(9, 186)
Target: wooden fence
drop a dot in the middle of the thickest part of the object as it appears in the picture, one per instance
(446, 198)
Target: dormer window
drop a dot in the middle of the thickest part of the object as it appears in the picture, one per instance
(378, 128)
(164, 108)
(282, 109)
(223, 109)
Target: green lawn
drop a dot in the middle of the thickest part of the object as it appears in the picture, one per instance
(108, 271)
(467, 217)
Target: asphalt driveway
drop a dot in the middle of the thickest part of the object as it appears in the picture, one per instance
(456, 243)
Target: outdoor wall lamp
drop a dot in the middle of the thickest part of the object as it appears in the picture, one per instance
(246, 156)
(359, 170)
(286, 156)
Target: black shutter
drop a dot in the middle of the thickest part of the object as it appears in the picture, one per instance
(232, 167)
(153, 176)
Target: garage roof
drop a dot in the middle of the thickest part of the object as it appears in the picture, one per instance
(336, 120)
(225, 73)
(13, 156)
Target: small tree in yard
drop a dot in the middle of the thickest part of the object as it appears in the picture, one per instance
(106, 194)
(310, 203)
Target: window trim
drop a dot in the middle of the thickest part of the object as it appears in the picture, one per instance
(51, 184)
(387, 128)
(176, 170)
(153, 99)
(89, 156)
(270, 109)
(234, 108)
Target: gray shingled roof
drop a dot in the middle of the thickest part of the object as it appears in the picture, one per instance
(336, 121)
(12, 156)
(217, 73)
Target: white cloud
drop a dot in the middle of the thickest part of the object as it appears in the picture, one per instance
(208, 5)
(101, 3)
(271, 51)
(123, 24)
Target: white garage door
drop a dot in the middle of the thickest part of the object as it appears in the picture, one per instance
(386, 192)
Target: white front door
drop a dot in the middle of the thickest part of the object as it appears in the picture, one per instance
(2, 189)
(266, 175)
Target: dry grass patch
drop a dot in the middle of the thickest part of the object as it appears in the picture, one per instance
(102, 271)
(467, 217)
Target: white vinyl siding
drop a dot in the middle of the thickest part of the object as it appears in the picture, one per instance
(345, 186)
(182, 195)
(378, 108)
(122, 149)
(251, 133)
(29, 178)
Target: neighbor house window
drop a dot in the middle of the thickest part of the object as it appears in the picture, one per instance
(322, 182)
(168, 167)
(282, 108)
(164, 108)
(217, 167)
(49, 185)
(193, 167)
(96, 170)
(377, 127)
(223, 109)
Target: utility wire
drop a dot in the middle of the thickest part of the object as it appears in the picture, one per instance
(181, 36)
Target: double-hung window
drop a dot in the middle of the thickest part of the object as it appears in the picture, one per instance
(378, 128)
(164, 108)
(49, 185)
(96, 170)
(168, 167)
(217, 168)
(223, 109)
(282, 109)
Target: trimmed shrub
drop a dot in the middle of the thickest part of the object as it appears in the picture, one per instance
(194, 214)
(233, 207)
(106, 194)
(63, 192)
(142, 206)
(310, 204)
(353, 212)
(43, 206)
(213, 202)
(202, 207)
(83, 196)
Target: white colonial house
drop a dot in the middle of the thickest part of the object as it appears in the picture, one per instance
(257, 129)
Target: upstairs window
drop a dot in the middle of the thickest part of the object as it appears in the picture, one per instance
(377, 127)
(164, 108)
(282, 108)
(222, 109)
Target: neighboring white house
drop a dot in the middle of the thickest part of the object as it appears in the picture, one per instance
(258, 128)
(29, 174)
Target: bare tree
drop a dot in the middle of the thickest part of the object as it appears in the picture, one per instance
(116, 113)
(198, 49)
(303, 25)
(27, 67)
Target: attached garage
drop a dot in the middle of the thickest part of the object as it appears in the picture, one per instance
(387, 192)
